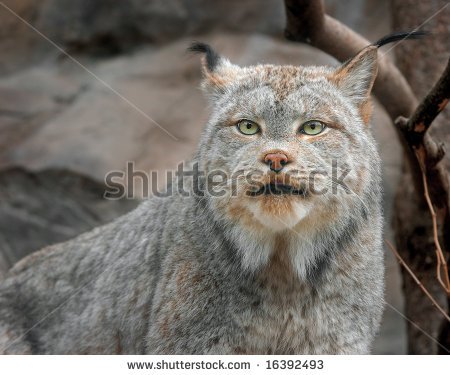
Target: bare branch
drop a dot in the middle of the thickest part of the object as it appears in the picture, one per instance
(441, 262)
(428, 155)
(427, 152)
(427, 293)
(431, 106)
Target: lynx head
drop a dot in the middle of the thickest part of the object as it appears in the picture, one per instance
(284, 136)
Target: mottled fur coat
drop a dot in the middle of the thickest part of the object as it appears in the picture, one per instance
(279, 263)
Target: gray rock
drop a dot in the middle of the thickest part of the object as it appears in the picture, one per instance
(39, 209)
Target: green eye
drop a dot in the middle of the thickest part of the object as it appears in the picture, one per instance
(247, 127)
(312, 127)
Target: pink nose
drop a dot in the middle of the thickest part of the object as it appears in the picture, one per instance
(276, 161)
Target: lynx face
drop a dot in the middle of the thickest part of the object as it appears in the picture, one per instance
(279, 131)
(285, 136)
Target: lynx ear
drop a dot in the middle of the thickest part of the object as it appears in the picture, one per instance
(218, 72)
(355, 79)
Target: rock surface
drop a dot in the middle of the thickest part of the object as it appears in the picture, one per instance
(41, 208)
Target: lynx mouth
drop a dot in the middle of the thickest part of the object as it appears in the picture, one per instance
(277, 189)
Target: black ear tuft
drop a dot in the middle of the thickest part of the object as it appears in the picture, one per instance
(400, 36)
(212, 58)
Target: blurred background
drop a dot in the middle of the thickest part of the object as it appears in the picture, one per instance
(80, 81)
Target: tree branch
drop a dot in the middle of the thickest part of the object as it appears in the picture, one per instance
(417, 281)
(426, 150)
(429, 108)
(428, 154)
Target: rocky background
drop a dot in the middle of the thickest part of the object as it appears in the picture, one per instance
(81, 82)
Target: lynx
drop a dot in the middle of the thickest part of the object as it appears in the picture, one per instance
(279, 263)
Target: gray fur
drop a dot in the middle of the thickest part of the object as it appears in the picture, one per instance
(222, 275)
